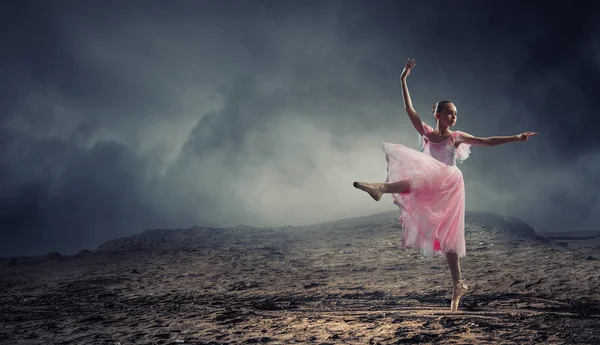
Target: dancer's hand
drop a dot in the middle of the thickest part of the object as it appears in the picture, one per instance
(525, 136)
(407, 68)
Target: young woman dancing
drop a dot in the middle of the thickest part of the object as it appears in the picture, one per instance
(428, 187)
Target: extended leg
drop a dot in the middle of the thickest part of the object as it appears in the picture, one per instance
(376, 190)
(459, 287)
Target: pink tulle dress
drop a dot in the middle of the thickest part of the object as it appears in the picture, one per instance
(432, 215)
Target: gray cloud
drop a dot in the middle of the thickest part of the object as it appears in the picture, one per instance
(160, 116)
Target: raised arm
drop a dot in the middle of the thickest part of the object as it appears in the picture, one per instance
(412, 113)
(493, 141)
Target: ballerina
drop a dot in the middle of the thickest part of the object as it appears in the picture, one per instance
(428, 187)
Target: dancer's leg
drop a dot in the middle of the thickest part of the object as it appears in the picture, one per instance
(376, 190)
(454, 264)
(399, 187)
(459, 287)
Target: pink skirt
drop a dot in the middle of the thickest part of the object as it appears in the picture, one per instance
(432, 215)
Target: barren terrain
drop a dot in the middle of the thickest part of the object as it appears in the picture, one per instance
(344, 282)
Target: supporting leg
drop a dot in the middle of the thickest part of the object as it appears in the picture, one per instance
(459, 287)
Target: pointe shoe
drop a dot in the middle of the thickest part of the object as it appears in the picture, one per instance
(371, 188)
(460, 289)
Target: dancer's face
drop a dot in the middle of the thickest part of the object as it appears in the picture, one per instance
(447, 115)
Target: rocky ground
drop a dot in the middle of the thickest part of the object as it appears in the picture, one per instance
(344, 282)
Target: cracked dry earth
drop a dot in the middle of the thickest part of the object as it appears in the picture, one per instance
(344, 282)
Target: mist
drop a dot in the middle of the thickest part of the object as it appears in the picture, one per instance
(119, 117)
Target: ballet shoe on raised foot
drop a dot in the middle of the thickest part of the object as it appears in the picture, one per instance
(372, 188)
(460, 289)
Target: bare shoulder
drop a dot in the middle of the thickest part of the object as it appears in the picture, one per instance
(462, 137)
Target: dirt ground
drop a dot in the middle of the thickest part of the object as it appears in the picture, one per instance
(344, 282)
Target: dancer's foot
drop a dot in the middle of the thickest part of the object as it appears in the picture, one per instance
(374, 189)
(460, 289)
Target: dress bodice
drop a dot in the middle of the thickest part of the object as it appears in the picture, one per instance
(445, 151)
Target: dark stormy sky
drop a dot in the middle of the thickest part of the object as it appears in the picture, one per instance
(119, 116)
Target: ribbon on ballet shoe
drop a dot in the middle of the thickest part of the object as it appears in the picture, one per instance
(460, 288)
(374, 192)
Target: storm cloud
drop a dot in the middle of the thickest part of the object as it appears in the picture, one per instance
(121, 116)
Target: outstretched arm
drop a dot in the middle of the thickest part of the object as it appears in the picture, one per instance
(496, 140)
(412, 113)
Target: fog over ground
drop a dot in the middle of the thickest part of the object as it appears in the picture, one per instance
(122, 116)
